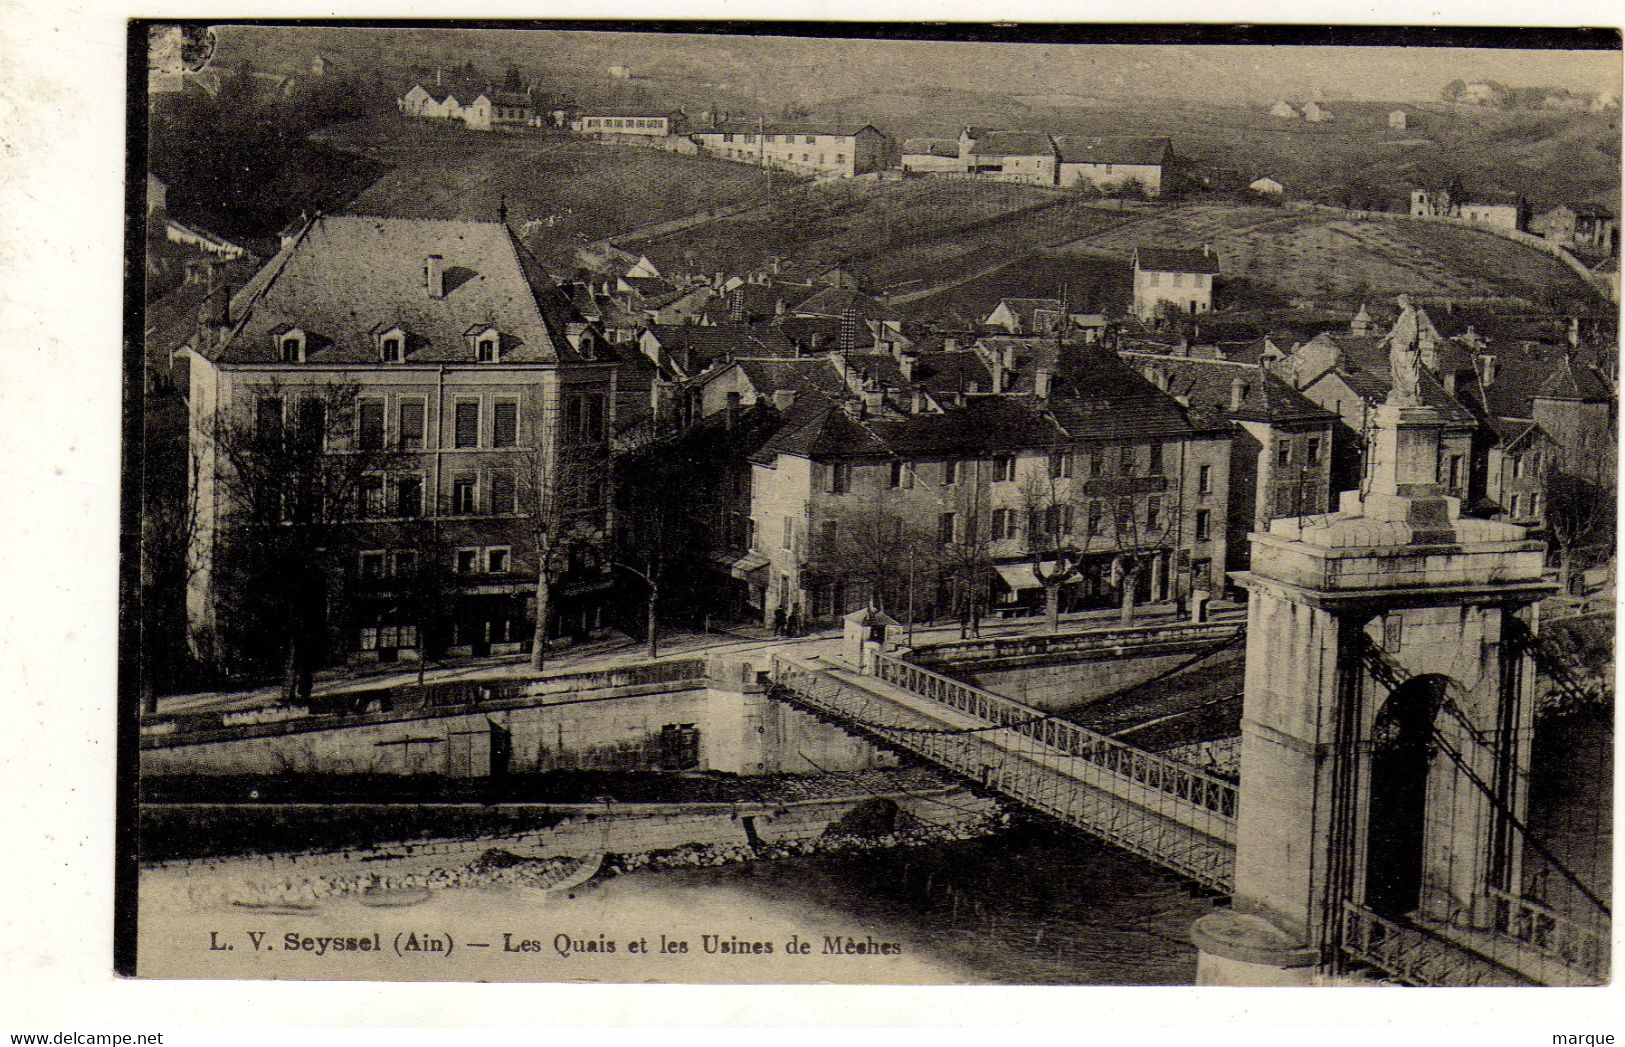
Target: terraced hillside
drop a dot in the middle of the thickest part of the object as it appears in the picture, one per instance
(893, 234)
(1327, 256)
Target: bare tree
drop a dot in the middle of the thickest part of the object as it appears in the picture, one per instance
(1133, 522)
(169, 563)
(963, 546)
(1579, 517)
(289, 480)
(867, 542)
(1047, 515)
(562, 490)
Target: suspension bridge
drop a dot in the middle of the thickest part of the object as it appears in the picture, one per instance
(1183, 818)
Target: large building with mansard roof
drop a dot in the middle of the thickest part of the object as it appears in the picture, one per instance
(465, 373)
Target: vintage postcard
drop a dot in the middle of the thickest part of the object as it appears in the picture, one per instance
(793, 503)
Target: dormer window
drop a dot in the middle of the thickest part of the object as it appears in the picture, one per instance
(289, 344)
(487, 343)
(391, 343)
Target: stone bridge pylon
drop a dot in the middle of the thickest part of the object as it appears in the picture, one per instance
(1378, 643)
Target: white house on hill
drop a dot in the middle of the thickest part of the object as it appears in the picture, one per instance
(1178, 276)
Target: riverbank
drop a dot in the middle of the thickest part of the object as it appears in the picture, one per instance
(1026, 905)
(878, 825)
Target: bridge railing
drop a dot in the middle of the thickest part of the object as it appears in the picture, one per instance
(1551, 933)
(1415, 957)
(1142, 821)
(1159, 774)
(998, 647)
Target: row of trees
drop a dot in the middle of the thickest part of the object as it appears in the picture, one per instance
(1064, 527)
(284, 543)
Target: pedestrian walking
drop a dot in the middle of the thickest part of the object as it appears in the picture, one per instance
(778, 621)
(793, 623)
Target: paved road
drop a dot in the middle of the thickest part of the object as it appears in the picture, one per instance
(618, 651)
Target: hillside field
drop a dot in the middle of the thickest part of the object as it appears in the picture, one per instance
(897, 236)
(561, 191)
(1281, 252)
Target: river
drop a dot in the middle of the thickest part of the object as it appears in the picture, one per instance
(1028, 905)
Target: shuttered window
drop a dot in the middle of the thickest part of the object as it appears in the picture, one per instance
(468, 424)
(411, 425)
(268, 417)
(502, 492)
(372, 425)
(504, 423)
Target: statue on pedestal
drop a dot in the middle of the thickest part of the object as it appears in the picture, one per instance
(1405, 355)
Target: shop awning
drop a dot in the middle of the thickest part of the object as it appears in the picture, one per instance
(1020, 576)
(747, 565)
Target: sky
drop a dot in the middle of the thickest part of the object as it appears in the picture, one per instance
(812, 70)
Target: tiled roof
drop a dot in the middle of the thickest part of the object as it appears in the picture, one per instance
(347, 274)
(984, 425)
(1569, 382)
(1024, 308)
(803, 374)
(627, 110)
(1176, 260)
(1374, 387)
(836, 301)
(931, 147)
(1013, 143)
(648, 286)
(1096, 396)
(814, 332)
(706, 345)
(1209, 384)
(751, 127)
(1112, 149)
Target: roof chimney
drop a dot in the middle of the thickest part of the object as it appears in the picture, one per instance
(905, 363)
(1041, 381)
(917, 402)
(1238, 393)
(434, 276)
(950, 345)
(1574, 332)
(1486, 369)
(783, 399)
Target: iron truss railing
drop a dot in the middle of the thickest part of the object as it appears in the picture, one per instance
(1414, 956)
(1582, 948)
(1117, 799)
(1546, 946)
(1160, 773)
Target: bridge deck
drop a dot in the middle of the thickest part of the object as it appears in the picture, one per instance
(1147, 804)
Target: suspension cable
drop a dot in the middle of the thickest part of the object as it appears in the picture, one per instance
(1043, 717)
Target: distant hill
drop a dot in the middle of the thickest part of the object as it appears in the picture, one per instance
(782, 70)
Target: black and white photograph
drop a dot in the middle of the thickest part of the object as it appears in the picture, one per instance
(869, 504)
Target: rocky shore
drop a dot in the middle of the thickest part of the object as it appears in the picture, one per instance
(886, 830)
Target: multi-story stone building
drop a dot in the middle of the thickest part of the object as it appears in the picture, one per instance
(812, 149)
(1094, 480)
(1281, 451)
(464, 380)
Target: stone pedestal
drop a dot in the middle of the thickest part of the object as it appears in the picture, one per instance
(1240, 949)
(1396, 568)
